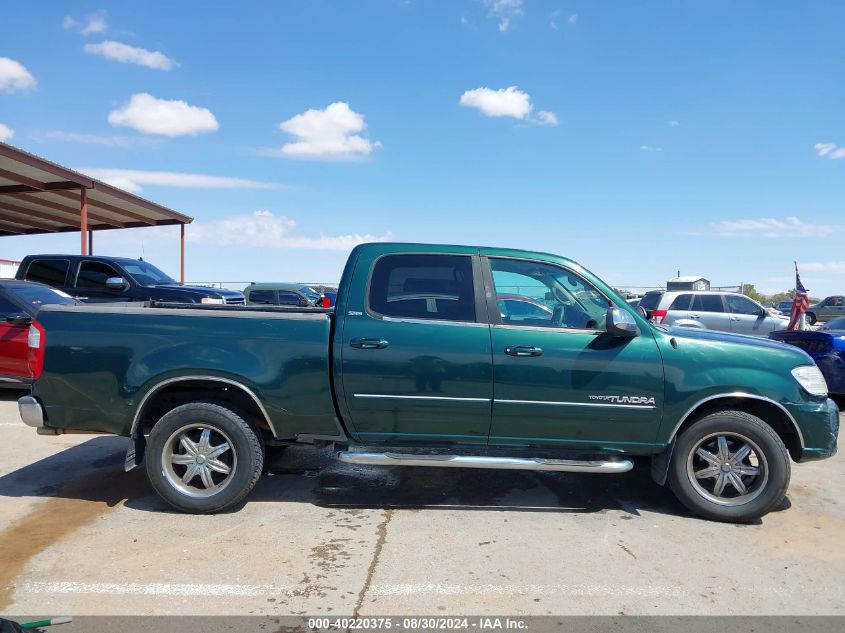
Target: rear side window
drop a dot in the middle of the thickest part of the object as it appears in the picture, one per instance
(264, 297)
(52, 272)
(423, 287)
(707, 303)
(7, 308)
(651, 300)
(94, 275)
(681, 302)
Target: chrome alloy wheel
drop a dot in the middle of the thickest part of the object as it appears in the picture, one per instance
(728, 469)
(198, 460)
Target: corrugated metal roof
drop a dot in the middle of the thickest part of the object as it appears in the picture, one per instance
(39, 196)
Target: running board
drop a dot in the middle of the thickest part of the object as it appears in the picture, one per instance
(472, 461)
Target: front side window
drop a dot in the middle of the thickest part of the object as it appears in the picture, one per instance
(542, 295)
(94, 275)
(52, 272)
(737, 304)
(836, 302)
(423, 287)
(707, 303)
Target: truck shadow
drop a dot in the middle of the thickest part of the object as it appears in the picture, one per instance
(93, 471)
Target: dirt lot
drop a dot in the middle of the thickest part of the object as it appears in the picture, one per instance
(79, 536)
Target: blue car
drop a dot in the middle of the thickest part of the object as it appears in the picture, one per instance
(827, 347)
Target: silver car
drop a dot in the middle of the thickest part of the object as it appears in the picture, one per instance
(723, 311)
(826, 309)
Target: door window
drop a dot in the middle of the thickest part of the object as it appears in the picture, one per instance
(557, 298)
(737, 304)
(52, 272)
(289, 298)
(94, 275)
(707, 303)
(836, 302)
(423, 287)
(264, 297)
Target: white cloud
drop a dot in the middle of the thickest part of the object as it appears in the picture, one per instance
(330, 134)
(120, 52)
(264, 229)
(825, 267)
(504, 11)
(94, 23)
(511, 101)
(673, 123)
(545, 117)
(772, 228)
(132, 179)
(14, 77)
(651, 148)
(830, 150)
(96, 139)
(6, 132)
(150, 115)
(573, 19)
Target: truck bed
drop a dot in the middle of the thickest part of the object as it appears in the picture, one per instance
(99, 358)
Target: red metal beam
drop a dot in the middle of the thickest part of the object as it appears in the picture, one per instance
(182, 253)
(83, 220)
(105, 206)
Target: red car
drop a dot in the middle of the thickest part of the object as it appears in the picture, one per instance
(19, 303)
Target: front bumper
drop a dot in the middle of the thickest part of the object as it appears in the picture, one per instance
(819, 424)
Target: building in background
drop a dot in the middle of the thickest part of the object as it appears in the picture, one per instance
(688, 283)
(8, 268)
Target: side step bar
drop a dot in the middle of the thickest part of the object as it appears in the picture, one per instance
(472, 461)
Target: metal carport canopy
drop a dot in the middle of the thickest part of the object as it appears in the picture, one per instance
(38, 196)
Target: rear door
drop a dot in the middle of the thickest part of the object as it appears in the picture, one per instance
(416, 360)
(50, 271)
(709, 311)
(13, 343)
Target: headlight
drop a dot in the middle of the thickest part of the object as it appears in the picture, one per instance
(810, 377)
(212, 300)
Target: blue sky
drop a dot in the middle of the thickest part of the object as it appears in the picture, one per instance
(640, 138)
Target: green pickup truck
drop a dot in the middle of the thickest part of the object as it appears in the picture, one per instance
(435, 356)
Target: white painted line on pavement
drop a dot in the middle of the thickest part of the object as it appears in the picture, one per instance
(154, 589)
(646, 591)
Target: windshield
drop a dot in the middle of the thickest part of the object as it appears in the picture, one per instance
(310, 293)
(144, 273)
(37, 296)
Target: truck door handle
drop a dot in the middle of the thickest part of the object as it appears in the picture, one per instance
(734, 318)
(694, 316)
(524, 350)
(368, 343)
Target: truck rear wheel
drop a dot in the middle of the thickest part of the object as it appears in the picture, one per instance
(730, 466)
(203, 457)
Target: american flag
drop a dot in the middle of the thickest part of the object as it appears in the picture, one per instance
(799, 304)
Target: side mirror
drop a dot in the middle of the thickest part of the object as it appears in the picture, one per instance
(116, 283)
(621, 323)
(20, 319)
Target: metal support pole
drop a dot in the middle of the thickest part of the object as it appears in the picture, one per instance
(83, 219)
(182, 249)
(90, 241)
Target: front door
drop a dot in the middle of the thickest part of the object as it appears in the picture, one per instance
(91, 280)
(749, 318)
(560, 379)
(416, 359)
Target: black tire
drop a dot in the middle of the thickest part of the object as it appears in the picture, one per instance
(689, 472)
(177, 444)
(811, 318)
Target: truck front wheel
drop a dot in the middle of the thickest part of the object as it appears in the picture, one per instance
(730, 466)
(203, 457)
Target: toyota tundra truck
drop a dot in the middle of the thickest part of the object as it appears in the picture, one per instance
(422, 363)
